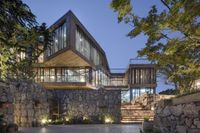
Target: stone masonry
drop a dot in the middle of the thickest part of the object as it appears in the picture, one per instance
(178, 115)
(26, 102)
(92, 104)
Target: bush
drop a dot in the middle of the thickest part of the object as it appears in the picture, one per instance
(146, 119)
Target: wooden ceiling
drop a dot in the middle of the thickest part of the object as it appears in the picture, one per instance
(67, 58)
(67, 85)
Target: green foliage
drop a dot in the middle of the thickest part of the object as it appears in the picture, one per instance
(19, 32)
(170, 92)
(123, 7)
(173, 38)
(146, 119)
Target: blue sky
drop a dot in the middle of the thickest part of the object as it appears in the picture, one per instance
(101, 21)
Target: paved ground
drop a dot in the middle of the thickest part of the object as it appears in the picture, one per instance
(84, 129)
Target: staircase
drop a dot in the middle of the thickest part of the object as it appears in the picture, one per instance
(135, 112)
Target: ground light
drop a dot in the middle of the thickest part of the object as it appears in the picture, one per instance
(67, 119)
(44, 121)
(108, 120)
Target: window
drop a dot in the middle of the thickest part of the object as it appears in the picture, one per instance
(84, 46)
(59, 40)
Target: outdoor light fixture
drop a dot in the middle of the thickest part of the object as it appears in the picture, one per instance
(85, 118)
(198, 83)
(44, 121)
(152, 108)
(49, 120)
(108, 120)
(67, 119)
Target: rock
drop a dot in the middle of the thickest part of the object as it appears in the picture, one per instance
(193, 130)
(191, 110)
(188, 122)
(197, 123)
(181, 129)
(177, 110)
(166, 111)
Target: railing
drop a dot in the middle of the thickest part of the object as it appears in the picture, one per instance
(140, 61)
(118, 70)
(58, 78)
(118, 82)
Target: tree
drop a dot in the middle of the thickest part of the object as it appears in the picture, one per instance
(19, 32)
(173, 37)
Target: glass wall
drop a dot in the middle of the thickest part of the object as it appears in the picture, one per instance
(125, 96)
(59, 42)
(99, 78)
(62, 75)
(133, 93)
(84, 46)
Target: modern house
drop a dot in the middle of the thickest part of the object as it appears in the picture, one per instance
(76, 64)
(76, 60)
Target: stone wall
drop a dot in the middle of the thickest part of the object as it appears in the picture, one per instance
(178, 115)
(93, 104)
(26, 102)
(6, 102)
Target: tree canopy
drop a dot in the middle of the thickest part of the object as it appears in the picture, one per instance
(19, 32)
(173, 37)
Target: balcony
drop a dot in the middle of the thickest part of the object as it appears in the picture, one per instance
(117, 81)
(63, 78)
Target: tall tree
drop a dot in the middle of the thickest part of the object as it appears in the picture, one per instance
(173, 37)
(19, 32)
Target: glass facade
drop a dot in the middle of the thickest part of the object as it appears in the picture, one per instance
(133, 93)
(85, 47)
(59, 42)
(62, 75)
(99, 78)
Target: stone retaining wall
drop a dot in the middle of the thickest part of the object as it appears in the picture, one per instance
(178, 115)
(92, 104)
(26, 102)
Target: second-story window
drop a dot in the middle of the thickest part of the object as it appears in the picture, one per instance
(82, 45)
(59, 40)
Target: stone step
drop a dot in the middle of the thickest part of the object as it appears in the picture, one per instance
(136, 113)
(132, 108)
(134, 119)
(130, 122)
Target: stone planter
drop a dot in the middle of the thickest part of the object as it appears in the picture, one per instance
(147, 126)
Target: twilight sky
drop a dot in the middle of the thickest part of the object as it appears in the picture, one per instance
(100, 20)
